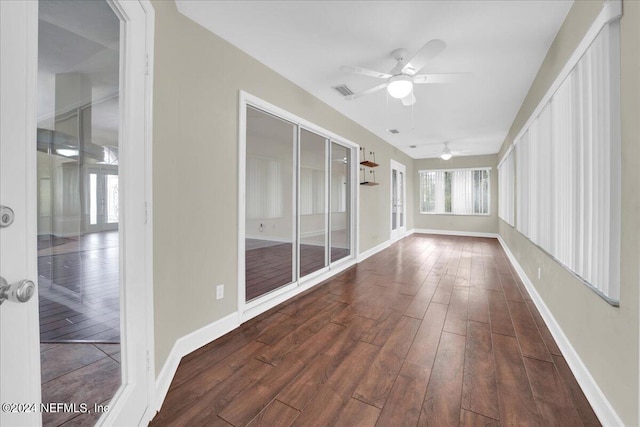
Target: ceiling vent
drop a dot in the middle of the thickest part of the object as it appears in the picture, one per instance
(393, 131)
(343, 90)
(412, 146)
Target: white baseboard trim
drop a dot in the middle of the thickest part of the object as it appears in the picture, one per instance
(601, 405)
(186, 345)
(456, 233)
(374, 250)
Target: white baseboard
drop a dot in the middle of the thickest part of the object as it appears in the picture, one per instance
(374, 250)
(601, 405)
(456, 233)
(186, 345)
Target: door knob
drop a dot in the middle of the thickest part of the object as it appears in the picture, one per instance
(17, 292)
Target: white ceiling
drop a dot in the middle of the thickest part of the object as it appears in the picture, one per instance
(501, 44)
(82, 38)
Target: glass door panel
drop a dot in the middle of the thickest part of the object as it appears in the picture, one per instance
(314, 210)
(270, 244)
(394, 199)
(78, 259)
(340, 197)
(400, 199)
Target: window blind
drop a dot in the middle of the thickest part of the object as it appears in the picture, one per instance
(567, 168)
(456, 191)
(506, 188)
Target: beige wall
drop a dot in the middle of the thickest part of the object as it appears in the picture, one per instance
(605, 337)
(197, 79)
(476, 224)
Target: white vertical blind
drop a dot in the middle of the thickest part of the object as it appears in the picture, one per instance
(567, 167)
(456, 191)
(506, 188)
(264, 188)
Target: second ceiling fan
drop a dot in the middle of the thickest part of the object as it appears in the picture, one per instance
(400, 80)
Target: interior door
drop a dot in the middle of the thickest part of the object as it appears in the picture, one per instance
(398, 197)
(19, 340)
(20, 389)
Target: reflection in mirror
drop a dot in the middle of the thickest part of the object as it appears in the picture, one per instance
(313, 207)
(270, 213)
(340, 195)
(78, 201)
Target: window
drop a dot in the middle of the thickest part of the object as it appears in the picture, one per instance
(568, 169)
(506, 174)
(456, 191)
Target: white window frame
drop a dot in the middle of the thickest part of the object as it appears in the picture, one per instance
(532, 150)
(423, 171)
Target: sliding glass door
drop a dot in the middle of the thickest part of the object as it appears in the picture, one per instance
(297, 203)
(314, 209)
(340, 202)
(270, 225)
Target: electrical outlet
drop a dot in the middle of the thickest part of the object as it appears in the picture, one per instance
(219, 291)
(539, 272)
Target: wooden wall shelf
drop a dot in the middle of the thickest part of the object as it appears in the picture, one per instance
(369, 183)
(369, 164)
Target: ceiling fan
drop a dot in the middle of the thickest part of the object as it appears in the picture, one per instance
(400, 80)
(446, 153)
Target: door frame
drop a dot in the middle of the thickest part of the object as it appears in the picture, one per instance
(138, 368)
(101, 172)
(401, 231)
(250, 309)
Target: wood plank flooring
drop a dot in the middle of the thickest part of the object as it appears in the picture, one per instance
(435, 330)
(78, 373)
(79, 293)
(268, 265)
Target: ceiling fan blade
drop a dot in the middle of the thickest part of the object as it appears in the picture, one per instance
(409, 100)
(437, 78)
(365, 92)
(427, 52)
(364, 71)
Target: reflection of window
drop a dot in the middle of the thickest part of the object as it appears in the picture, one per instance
(338, 193)
(264, 188)
(456, 191)
(113, 211)
(311, 191)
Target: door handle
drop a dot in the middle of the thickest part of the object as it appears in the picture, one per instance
(21, 291)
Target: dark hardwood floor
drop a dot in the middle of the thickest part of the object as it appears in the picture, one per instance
(434, 330)
(78, 290)
(78, 373)
(268, 266)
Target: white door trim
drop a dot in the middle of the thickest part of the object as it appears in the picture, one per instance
(248, 310)
(135, 170)
(401, 230)
(18, 85)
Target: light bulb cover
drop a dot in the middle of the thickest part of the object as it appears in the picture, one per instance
(400, 86)
(446, 155)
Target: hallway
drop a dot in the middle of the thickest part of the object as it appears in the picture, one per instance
(435, 330)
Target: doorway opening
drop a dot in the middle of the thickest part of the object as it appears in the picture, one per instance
(398, 198)
(298, 208)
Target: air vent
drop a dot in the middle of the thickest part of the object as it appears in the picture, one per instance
(343, 90)
(393, 131)
(412, 146)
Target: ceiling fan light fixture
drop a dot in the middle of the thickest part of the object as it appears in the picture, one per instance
(446, 154)
(400, 86)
